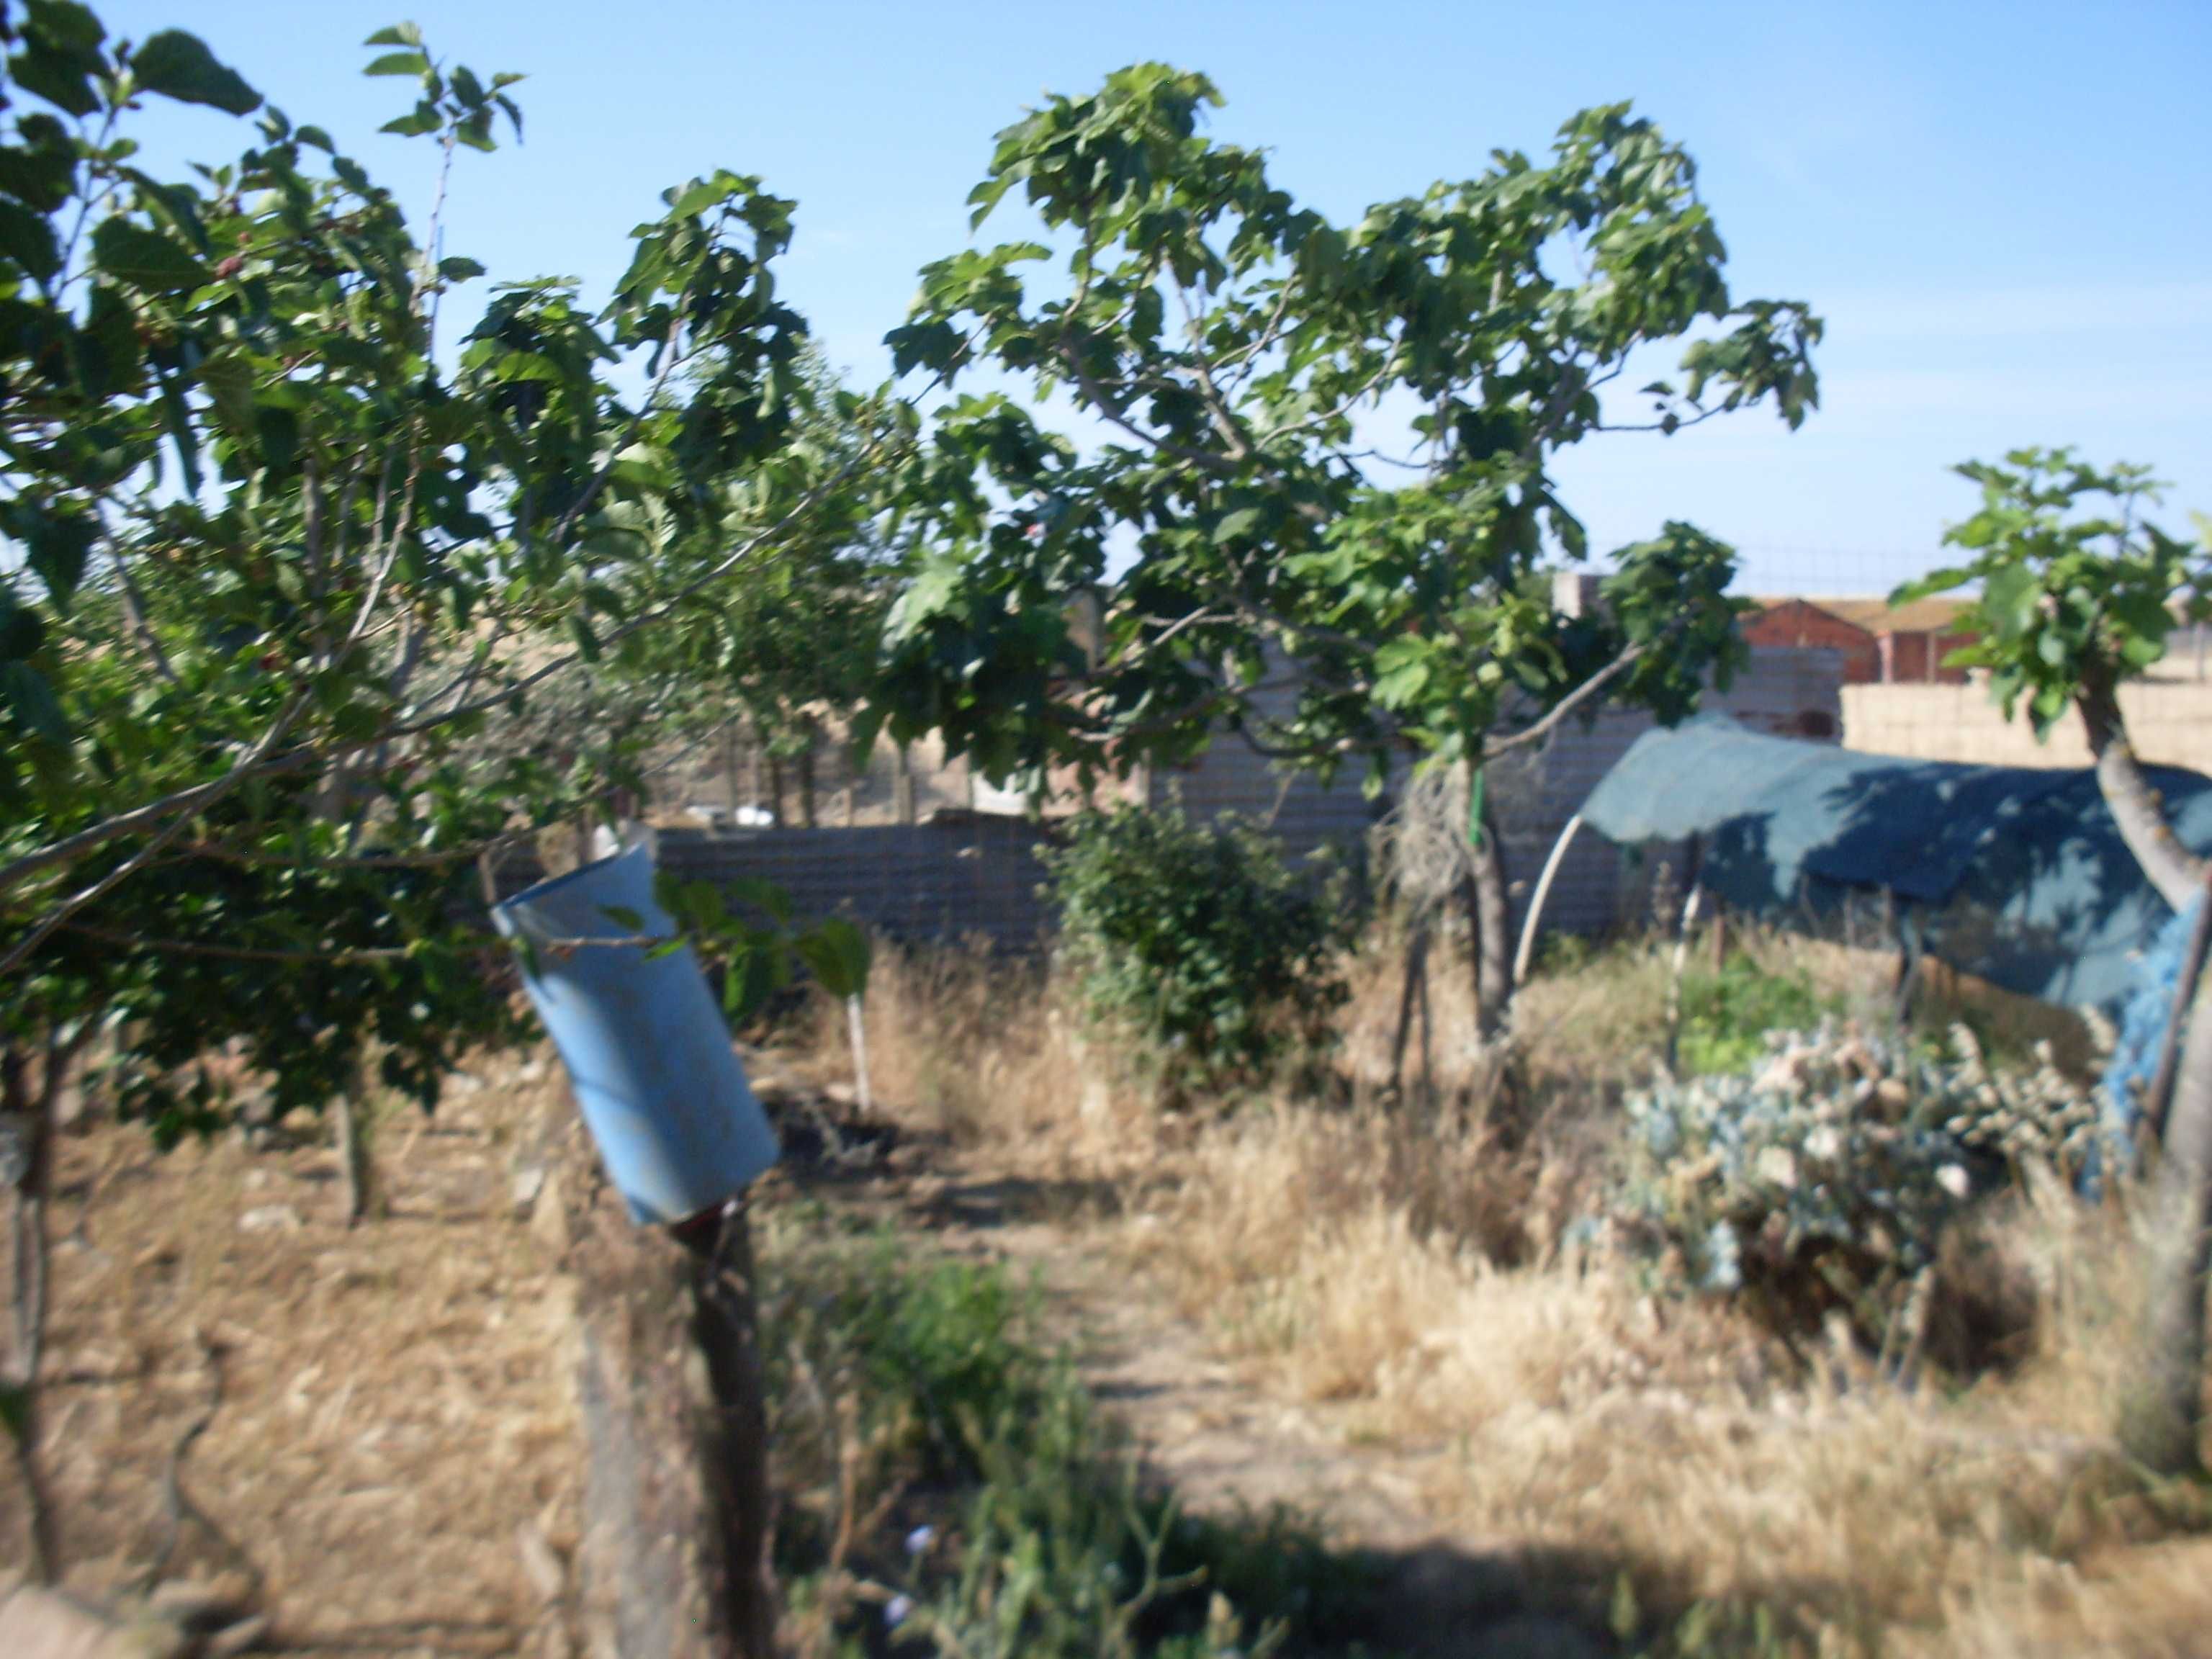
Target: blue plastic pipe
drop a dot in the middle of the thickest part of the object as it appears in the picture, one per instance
(647, 1054)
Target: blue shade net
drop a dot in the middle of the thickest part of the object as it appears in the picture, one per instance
(2143, 1018)
(2016, 875)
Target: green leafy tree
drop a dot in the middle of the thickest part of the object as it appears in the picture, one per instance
(280, 571)
(1287, 579)
(2072, 593)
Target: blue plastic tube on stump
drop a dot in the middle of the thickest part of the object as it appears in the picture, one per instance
(648, 1056)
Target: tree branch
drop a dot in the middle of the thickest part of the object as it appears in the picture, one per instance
(1566, 704)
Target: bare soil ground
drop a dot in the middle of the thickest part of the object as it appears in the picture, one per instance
(390, 1459)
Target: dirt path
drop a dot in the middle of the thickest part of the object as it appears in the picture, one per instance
(1230, 1444)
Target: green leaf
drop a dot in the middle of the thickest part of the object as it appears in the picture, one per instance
(58, 544)
(699, 195)
(145, 259)
(63, 80)
(837, 952)
(1235, 526)
(624, 917)
(396, 34)
(458, 270)
(587, 643)
(399, 63)
(765, 896)
(21, 633)
(179, 65)
(29, 694)
(1401, 673)
(756, 972)
(29, 239)
(424, 118)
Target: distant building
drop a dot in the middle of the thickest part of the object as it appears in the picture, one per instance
(1879, 644)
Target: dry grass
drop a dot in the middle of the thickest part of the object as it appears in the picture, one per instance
(394, 1399)
(984, 1050)
(1410, 1260)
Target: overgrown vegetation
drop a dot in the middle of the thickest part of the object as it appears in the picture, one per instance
(1668, 1467)
(951, 1490)
(1200, 940)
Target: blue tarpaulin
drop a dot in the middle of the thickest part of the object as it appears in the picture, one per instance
(2015, 874)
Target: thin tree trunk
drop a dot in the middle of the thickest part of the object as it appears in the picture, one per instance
(2162, 1415)
(1413, 987)
(349, 1133)
(31, 1112)
(1493, 929)
(775, 786)
(901, 785)
(806, 818)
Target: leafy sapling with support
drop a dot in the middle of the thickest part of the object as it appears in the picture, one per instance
(2073, 593)
(1327, 450)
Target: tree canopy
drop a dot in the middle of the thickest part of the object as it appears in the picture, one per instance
(1235, 365)
(289, 568)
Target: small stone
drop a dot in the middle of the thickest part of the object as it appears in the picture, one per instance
(270, 1218)
(243, 1637)
(541, 1563)
(40, 1624)
(549, 1217)
(528, 1187)
(195, 1606)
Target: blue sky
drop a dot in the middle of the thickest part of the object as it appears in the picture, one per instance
(2001, 209)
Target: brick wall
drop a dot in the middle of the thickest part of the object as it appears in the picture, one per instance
(1797, 624)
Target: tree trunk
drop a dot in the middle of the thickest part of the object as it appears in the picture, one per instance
(1412, 992)
(2162, 1415)
(806, 818)
(349, 1131)
(901, 785)
(30, 1114)
(1493, 916)
(775, 786)
(2177, 873)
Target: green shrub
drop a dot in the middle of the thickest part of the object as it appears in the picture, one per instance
(1726, 1015)
(1821, 1179)
(1201, 939)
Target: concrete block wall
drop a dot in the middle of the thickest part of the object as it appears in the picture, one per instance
(2170, 720)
